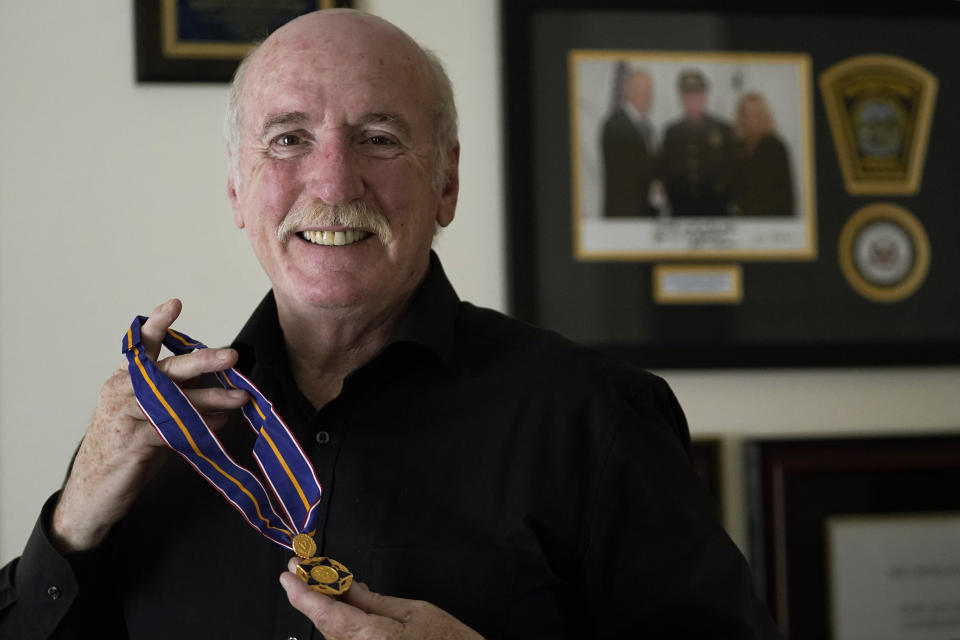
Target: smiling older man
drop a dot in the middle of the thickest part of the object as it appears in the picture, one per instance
(481, 476)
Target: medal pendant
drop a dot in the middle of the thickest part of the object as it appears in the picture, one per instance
(325, 575)
(304, 546)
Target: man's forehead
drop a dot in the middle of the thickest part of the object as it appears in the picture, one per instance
(355, 73)
(296, 99)
(342, 66)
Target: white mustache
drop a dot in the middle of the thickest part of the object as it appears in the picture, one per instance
(353, 215)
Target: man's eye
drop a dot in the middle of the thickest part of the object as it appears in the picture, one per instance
(287, 140)
(380, 140)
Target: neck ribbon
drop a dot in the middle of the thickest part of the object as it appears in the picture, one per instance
(284, 464)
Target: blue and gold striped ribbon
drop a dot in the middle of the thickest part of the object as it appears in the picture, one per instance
(284, 464)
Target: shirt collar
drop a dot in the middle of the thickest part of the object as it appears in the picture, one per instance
(428, 322)
(632, 113)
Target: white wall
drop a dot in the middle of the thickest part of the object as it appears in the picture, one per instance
(112, 200)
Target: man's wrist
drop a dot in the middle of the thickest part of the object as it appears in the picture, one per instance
(70, 536)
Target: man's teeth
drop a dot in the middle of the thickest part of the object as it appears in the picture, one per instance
(334, 238)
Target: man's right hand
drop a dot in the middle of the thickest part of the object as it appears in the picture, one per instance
(121, 446)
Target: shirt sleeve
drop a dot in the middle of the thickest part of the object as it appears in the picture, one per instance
(41, 595)
(665, 565)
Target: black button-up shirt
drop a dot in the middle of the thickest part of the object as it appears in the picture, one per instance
(530, 487)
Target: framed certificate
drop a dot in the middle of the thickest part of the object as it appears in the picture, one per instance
(894, 576)
(837, 523)
(755, 186)
(196, 41)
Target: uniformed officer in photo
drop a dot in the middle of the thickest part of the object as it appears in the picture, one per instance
(697, 154)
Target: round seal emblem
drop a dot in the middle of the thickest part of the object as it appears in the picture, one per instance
(884, 252)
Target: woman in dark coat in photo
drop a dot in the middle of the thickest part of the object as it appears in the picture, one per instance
(761, 181)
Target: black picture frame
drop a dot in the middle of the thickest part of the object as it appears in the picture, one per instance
(223, 35)
(795, 485)
(792, 313)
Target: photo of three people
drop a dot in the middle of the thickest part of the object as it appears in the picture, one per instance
(701, 165)
(691, 152)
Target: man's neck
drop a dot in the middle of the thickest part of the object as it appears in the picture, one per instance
(325, 345)
(632, 112)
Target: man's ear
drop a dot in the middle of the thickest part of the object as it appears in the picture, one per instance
(447, 206)
(234, 196)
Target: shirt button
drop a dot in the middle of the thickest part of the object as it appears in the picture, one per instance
(53, 592)
(323, 437)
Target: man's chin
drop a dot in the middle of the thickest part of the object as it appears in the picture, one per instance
(330, 291)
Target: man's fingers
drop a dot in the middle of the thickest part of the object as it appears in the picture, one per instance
(399, 609)
(214, 399)
(335, 619)
(156, 326)
(197, 363)
(182, 368)
(360, 596)
(361, 613)
(314, 605)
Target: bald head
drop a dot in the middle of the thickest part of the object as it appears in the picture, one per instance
(338, 39)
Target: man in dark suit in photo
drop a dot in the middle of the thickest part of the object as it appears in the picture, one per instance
(629, 148)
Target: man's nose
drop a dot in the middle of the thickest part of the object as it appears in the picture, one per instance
(333, 172)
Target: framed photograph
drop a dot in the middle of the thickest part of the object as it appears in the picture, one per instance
(840, 524)
(714, 203)
(197, 41)
(755, 186)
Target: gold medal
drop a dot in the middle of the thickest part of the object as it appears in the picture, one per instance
(325, 575)
(304, 546)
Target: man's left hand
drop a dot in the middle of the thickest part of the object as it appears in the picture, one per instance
(361, 613)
